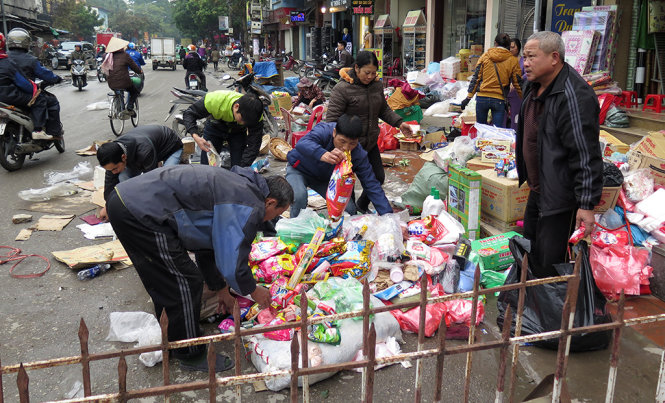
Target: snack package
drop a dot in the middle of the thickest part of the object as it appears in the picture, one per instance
(604, 239)
(428, 230)
(355, 262)
(264, 249)
(214, 159)
(321, 333)
(307, 257)
(279, 335)
(268, 270)
(340, 188)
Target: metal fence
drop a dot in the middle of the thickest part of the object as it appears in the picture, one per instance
(507, 345)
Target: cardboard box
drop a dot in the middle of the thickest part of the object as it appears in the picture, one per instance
(475, 164)
(495, 156)
(502, 198)
(472, 62)
(464, 199)
(477, 50)
(388, 160)
(494, 252)
(612, 144)
(497, 226)
(433, 138)
(408, 145)
(608, 199)
(650, 153)
(464, 76)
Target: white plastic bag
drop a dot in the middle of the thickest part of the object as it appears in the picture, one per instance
(389, 348)
(98, 106)
(438, 108)
(463, 150)
(61, 189)
(81, 170)
(137, 326)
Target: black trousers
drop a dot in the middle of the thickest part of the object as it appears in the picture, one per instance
(548, 235)
(217, 132)
(53, 124)
(168, 274)
(374, 157)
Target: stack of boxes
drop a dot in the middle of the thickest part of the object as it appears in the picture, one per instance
(468, 60)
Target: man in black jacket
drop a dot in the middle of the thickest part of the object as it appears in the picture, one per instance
(194, 65)
(18, 43)
(558, 152)
(138, 151)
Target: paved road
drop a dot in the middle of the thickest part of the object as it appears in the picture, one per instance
(39, 317)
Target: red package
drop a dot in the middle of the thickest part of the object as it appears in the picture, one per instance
(603, 239)
(387, 140)
(434, 313)
(606, 101)
(340, 188)
(279, 335)
(428, 230)
(619, 267)
(577, 235)
(458, 311)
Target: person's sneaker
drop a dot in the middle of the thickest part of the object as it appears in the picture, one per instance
(41, 135)
(124, 115)
(132, 113)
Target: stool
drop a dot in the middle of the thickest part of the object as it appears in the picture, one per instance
(657, 102)
(628, 99)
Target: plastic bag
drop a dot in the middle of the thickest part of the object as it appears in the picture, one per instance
(81, 170)
(389, 241)
(612, 175)
(434, 313)
(543, 305)
(428, 230)
(458, 311)
(137, 326)
(638, 184)
(300, 229)
(438, 108)
(98, 106)
(618, 267)
(605, 101)
(413, 112)
(61, 189)
(387, 140)
(340, 188)
(616, 118)
(429, 176)
(463, 150)
(346, 294)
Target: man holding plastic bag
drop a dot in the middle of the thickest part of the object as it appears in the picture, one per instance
(316, 155)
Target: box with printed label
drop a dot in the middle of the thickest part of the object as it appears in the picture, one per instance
(464, 199)
(494, 252)
(650, 153)
(503, 198)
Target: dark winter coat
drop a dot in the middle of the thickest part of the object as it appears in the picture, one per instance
(31, 67)
(352, 97)
(571, 165)
(118, 78)
(146, 147)
(193, 62)
(15, 89)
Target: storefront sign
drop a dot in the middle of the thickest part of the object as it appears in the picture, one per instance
(379, 56)
(563, 12)
(363, 6)
(339, 3)
(223, 22)
(297, 16)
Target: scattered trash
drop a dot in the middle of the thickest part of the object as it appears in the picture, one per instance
(81, 170)
(53, 222)
(80, 258)
(23, 235)
(94, 271)
(103, 230)
(21, 218)
(137, 326)
(98, 106)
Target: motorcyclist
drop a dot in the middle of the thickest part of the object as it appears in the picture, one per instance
(182, 53)
(194, 65)
(135, 54)
(102, 51)
(77, 54)
(18, 43)
(17, 90)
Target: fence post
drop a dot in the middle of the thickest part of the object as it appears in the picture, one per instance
(421, 336)
(614, 357)
(212, 380)
(304, 354)
(85, 361)
(22, 382)
(122, 379)
(371, 361)
(505, 337)
(2, 374)
(237, 347)
(660, 389)
(365, 333)
(472, 333)
(294, 370)
(164, 327)
(439, 360)
(518, 326)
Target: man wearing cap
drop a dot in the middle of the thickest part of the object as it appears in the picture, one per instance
(308, 94)
(312, 162)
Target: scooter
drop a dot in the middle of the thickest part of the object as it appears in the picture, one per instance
(309, 67)
(100, 74)
(16, 141)
(184, 98)
(246, 84)
(194, 81)
(79, 74)
(291, 63)
(236, 60)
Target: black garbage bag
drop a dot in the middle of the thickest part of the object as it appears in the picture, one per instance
(543, 304)
(429, 100)
(612, 175)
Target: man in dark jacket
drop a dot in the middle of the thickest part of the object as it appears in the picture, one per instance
(18, 43)
(312, 162)
(138, 151)
(194, 65)
(162, 215)
(344, 58)
(236, 119)
(558, 153)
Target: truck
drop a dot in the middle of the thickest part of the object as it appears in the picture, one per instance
(103, 38)
(162, 53)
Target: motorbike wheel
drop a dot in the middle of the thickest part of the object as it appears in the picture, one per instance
(135, 118)
(269, 124)
(79, 84)
(8, 158)
(60, 144)
(117, 124)
(230, 64)
(179, 128)
(54, 63)
(100, 77)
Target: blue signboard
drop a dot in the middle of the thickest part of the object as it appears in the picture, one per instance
(297, 16)
(563, 12)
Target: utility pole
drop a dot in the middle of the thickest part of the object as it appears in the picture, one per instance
(4, 17)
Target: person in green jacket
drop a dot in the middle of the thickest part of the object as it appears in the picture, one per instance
(236, 119)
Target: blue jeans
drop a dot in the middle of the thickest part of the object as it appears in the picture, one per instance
(300, 182)
(486, 104)
(127, 173)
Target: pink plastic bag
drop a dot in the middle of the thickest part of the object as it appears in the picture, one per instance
(620, 267)
(408, 321)
(458, 311)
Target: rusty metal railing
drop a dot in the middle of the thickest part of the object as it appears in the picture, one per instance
(505, 344)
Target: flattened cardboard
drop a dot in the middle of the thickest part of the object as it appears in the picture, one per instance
(53, 222)
(79, 258)
(98, 198)
(23, 235)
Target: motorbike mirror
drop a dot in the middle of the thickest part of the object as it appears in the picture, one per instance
(226, 77)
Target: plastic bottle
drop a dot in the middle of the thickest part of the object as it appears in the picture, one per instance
(433, 205)
(93, 271)
(396, 274)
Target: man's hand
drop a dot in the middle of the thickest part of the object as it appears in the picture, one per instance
(262, 296)
(311, 103)
(586, 217)
(225, 301)
(203, 144)
(465, 103)
(103, 215)
(406, 129)
(333, 157)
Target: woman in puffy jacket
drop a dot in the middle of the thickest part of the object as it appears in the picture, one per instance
(360, 93)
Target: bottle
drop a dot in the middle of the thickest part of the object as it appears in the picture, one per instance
(396, 274)
(93, 271)
(433, 205)
(360, 234)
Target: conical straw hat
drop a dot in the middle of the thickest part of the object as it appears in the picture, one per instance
(116, 44)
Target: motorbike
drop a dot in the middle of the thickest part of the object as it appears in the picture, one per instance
(309, 67)
(194, 81)
(79, 74)
(237, 60)
(246, 84)
(100, 74)
(16, 141)
(326, 80)
(291, 63)
(184, 98)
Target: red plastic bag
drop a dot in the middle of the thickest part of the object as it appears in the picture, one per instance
(427, 230)
(458, 311)
(606, 101)
(434, 313)
(340, 188)
(387, 140)
(620, 267)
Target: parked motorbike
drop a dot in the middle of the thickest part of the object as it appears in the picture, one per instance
(246, 84)
(79, 74)
(310, 66)
(100, 74)
(326, 80)
(16, 141)
(183, 98)
(291, 63)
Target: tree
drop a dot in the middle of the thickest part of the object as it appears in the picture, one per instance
(200, 18)
(132, 18)
(76, 18)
